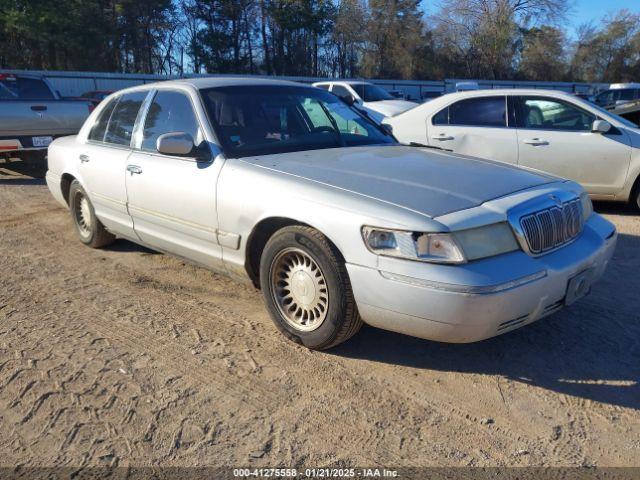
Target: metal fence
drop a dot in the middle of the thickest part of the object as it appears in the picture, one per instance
(72, 84)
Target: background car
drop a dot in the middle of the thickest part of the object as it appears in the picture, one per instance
(32, 114)
(375, 100)
(617, 95)
(548, 130)
(95, 96)
(623, 99)
(430, 95)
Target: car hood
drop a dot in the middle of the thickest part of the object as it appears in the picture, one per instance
(389, 108)
(429, 182)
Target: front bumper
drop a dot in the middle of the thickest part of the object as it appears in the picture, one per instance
(467, 303)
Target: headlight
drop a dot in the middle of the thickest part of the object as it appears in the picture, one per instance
(426, 247)
(487, 241)
(455, 247)
(587, 206)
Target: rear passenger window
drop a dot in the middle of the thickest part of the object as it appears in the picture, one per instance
(123, 118)
(100, 127)
(479, 112)
(169, 112)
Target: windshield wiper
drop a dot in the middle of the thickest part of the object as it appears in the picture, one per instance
(422, 145)
(333, 123)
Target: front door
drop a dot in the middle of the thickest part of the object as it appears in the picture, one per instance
(172, 199)
(555, 136)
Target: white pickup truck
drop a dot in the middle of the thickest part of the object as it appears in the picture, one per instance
(32, 114)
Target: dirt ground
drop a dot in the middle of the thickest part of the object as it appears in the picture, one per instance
(127, 357)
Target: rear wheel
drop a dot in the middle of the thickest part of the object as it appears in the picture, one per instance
(635, 195)
(307, 289)
(89, 228)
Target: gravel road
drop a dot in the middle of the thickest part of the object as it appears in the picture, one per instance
(123, 356)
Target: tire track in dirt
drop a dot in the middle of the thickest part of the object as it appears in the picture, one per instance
(384, 409)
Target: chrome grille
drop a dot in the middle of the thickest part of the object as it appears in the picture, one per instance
(552, 227)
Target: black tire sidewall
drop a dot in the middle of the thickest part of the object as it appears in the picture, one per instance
(328, 263)
(74, 195)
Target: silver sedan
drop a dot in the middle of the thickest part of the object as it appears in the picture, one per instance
(286, 186)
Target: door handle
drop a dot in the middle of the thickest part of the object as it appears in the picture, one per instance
(134, 169)
(84, 158)
(38, 108)
(442, 137)
(535, 141)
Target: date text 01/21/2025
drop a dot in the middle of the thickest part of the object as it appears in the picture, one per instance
(314, 473)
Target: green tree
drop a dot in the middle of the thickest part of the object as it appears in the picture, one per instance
(543, 54)
(611, 53)
(393, 35)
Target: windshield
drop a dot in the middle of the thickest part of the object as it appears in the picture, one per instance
(20, 88)
(371, 93)
(263, 120)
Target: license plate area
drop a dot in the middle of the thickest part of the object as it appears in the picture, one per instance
(41, 141)
(579, 286)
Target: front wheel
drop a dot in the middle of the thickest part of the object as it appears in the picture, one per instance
(307, 289)
(89, 228)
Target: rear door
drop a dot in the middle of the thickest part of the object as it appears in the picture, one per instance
(172, 199)
(476, 126)
(103, 161)
(554, 135)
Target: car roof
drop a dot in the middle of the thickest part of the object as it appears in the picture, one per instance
(623, 86)
(212, 82)
(344, 82)
(507, 91)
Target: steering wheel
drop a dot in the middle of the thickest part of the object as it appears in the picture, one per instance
(323, 128)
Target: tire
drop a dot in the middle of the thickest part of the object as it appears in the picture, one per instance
(306, 289)
(635, 196)
(90, 230)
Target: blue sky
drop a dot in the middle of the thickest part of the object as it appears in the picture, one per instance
(593, 10)
(583, 11)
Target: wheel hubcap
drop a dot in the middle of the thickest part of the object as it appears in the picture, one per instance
(299, 289)
(83, 215)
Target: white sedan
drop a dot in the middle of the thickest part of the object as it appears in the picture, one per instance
(550, 131)
(376, 101)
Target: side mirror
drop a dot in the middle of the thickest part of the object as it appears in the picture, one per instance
(349, 100)
(600, 126)
(388, 129)
(175, 143)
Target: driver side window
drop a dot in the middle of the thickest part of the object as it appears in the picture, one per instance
(550, 114)
(169, 112)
